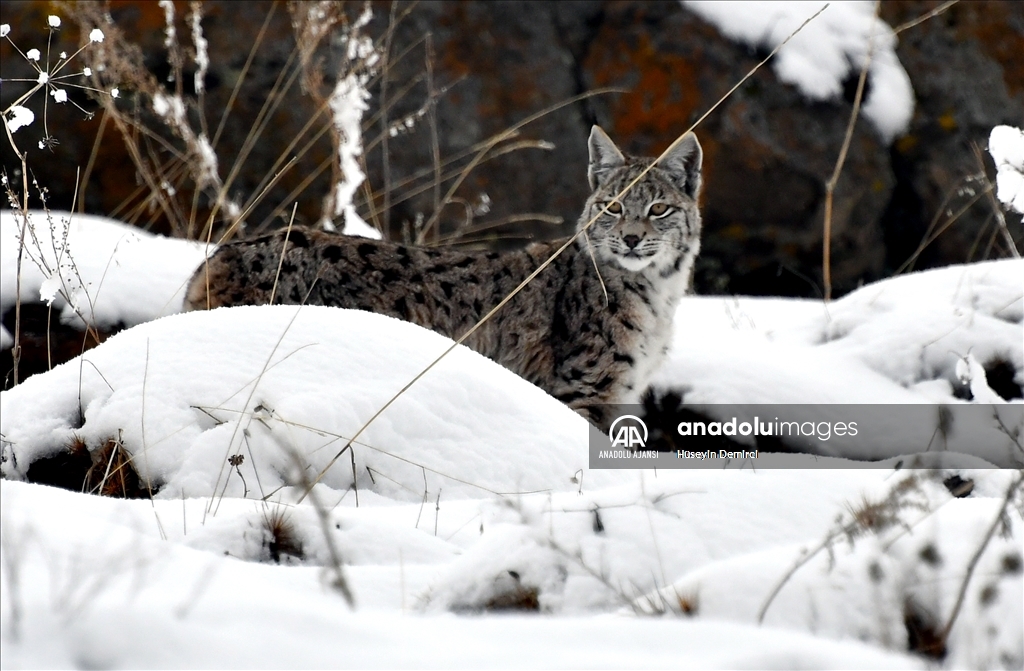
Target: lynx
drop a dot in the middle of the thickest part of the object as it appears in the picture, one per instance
(589, 329)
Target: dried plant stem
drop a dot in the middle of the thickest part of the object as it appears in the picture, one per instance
(435, 148)
(284, 250)
(16, 352)
(242, 75)
(104, 119)
(996, 209)
(1011, 491)
(830, 185)
(423, 188)
(337, 566)
(583, 229)
(495, 140)
(924, 17)
(930, 238)
(384, 226)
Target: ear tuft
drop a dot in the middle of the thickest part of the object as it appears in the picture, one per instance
(683, 163)
(604, 156)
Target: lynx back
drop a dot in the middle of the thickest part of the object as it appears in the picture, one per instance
(589, 329)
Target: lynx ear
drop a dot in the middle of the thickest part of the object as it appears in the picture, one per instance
(604, 156)
(683, 164)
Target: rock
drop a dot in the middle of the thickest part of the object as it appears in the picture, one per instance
(967, 70)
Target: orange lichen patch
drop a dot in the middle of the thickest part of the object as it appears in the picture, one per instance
(663, 96)
(989, 24)
(907, 143)
(147, 16)
(735, 231)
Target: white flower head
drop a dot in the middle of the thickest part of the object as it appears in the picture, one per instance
(59, 95)
(54, 21)
(32, 55)
(20, 117)
(96, 35)
(114, 92)
(41, 145)
(63, 54)
(87, 72)
(5, 29)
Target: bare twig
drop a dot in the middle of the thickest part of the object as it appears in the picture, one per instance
(337, 566)
(284, 250)
(924, 17)
(1011, 491)
(830, 185)
(996, 209)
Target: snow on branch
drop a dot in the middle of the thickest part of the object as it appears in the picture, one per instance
(1006, 145)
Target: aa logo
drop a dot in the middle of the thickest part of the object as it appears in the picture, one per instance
(628, 431)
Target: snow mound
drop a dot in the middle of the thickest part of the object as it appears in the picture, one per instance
(866, 584)
(94, 269)
(828, 50)
(471, 493)
(276, 384)
(922, 338)
(97, 585)
(1006, 145)
(895, 341)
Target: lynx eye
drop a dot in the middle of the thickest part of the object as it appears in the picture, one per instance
(659, 210)
(614, 207)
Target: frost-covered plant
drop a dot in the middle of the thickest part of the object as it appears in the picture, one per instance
(865, 517)
(347, 101)
(148, 108)
(54, 78)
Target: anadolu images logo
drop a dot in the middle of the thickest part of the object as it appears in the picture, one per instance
(628, 434)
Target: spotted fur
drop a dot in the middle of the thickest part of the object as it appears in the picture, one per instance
(590, 329)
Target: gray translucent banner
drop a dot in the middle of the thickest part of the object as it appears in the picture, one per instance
(963, 435)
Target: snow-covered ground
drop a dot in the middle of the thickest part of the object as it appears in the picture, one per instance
(92, 268)
(471, 494)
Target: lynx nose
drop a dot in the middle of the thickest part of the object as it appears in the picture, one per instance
(631, 240)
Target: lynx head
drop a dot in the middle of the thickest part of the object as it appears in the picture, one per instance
(655, 224)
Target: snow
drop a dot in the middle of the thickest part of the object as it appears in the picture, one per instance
(93, 268)
(1006, 145)
(20, 117)
(829, 49)
(136, 601)
(897, 337)
(906, 340)
(473, 489)
(184, 391)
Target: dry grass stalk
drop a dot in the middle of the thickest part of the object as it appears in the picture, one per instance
(830, 185)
